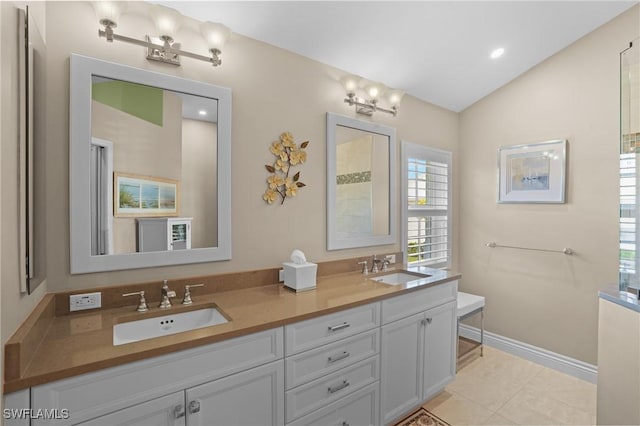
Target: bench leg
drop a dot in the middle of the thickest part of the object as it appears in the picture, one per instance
(482, 332)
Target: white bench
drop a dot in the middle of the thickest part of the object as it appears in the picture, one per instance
(468, 305)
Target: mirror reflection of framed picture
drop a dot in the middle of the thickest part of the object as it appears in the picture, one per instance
(145, 196)
(532, 173)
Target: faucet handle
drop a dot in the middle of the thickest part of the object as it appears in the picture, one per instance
(186, 300)
(386, 261)
(142, 304)
(365, 271)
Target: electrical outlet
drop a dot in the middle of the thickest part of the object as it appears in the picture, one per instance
(392, 258)
(80, 302)
(281, 275)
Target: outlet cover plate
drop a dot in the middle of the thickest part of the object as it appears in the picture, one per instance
(81, 302)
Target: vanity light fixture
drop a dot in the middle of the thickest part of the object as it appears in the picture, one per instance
(162, 47)
(373, 92)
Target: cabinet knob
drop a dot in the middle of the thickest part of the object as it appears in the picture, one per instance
(178, 411)
(194, 407)
(426, 321)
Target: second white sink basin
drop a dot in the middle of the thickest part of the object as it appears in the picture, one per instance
(134, 331)
(398, 278)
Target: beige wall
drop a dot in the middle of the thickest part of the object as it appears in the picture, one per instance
(546, 299)
(273, 91)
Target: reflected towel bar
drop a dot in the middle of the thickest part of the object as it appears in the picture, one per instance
(565, 250)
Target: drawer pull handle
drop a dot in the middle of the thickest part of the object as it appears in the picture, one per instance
(194, 407)
(336, 388)
(339, 326)
(335, 358)
(178, 411)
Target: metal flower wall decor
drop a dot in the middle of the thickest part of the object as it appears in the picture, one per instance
(288, 154)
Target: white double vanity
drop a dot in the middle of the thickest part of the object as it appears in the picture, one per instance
(365, 365)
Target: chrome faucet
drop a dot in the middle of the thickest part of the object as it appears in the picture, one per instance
(165, 303)
(374, 268)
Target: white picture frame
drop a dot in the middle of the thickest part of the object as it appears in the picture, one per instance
(532, 173)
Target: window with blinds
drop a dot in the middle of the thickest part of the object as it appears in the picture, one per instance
(428, 228)
(628, 213)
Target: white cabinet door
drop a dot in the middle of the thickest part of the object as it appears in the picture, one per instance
(439, 348)
(253, 397)
(402, 366)
(167, 410)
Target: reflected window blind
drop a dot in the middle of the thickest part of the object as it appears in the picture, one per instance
(628, 215)
(428, 193)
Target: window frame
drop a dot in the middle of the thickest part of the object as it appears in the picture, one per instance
(413, 150)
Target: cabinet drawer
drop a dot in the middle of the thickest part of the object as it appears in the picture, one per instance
(307, 398)
(358, 409)
(308, 334)
(403, 306)
(105, 391)
(319, 362)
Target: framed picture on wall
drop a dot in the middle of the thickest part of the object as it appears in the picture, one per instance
(145, 196)
(532, 173)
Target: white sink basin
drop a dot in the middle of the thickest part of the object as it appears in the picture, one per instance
(398, 278)
(134, 331)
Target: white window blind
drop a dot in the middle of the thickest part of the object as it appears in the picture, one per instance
(428, 214)
(628, 213)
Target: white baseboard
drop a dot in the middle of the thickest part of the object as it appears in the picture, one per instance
(562, 363)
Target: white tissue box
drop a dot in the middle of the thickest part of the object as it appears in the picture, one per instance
(300, 277)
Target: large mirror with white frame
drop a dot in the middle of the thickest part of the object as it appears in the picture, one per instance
(361, 173)
(150, 178)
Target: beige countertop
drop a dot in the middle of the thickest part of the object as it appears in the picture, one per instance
(69, 345)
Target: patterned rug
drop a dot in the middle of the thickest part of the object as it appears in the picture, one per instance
(423, 417)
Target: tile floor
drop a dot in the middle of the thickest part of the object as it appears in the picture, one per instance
(502, 389)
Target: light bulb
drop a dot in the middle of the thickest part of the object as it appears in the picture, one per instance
(374, 91)
(108, 12)
(350, 83)
(215, 34)
(394, 97)
(166, 20)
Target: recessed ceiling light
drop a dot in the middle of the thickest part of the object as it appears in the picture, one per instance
(497, 53)
(202, 112)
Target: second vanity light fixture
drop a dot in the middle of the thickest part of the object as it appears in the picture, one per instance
(162, 47)
(373, 92)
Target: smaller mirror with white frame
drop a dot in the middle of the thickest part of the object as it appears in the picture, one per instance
(361, 172)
